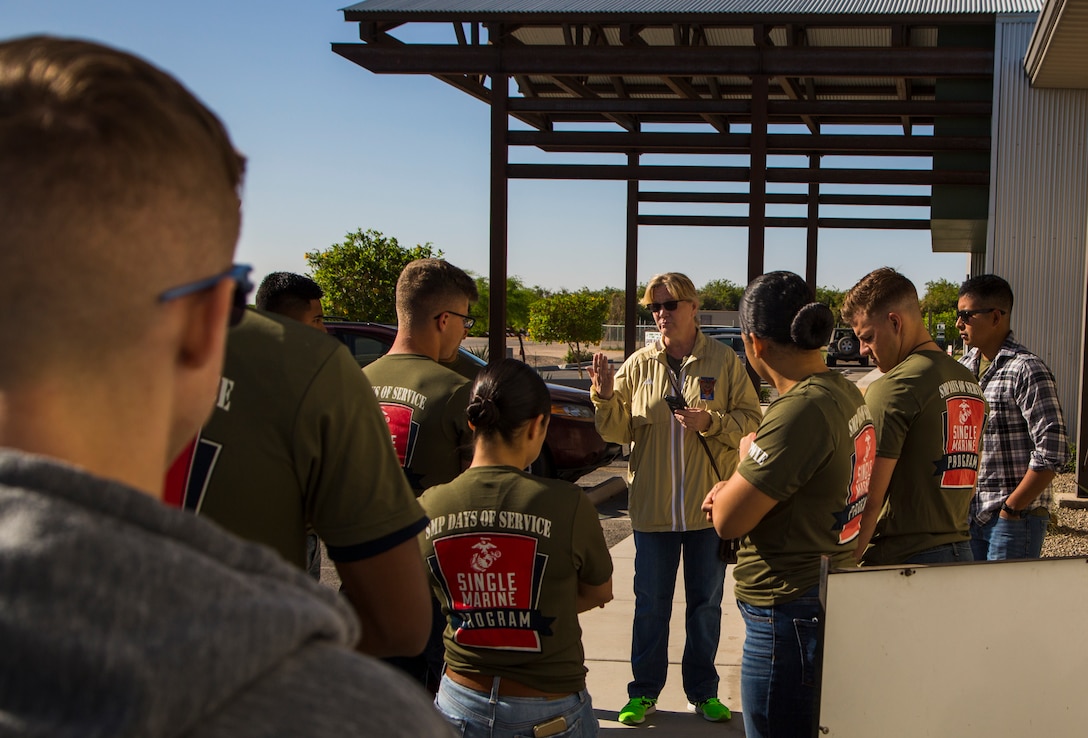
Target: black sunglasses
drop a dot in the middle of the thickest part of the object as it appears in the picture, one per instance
(242, 286)
(966, 315)
(670, 305)
(467, 320)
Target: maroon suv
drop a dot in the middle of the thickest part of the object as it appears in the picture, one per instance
(572, 447)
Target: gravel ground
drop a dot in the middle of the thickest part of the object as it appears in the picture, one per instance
(1068, 531)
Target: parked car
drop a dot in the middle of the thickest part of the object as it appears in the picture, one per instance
(845, 346)
(572, 447)
(730, 336)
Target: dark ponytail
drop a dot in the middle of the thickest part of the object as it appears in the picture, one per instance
(781, 307)
(505, 396)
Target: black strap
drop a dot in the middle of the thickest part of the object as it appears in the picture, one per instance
(702, 440)
(727, 547)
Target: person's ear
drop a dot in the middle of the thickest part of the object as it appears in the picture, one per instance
(204, 326)
(538, 427)
(896, 321)
(758, 344)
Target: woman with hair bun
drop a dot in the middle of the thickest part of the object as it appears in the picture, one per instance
(796, 496)
(513, 559)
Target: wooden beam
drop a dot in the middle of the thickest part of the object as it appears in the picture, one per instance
(775, 108)
(812, 228)
(740, 221)
(683, 88)
(575, 87)
(779, 198)
(670, 173)
(757, 182)
(660, 61)
(500, 213)
(739, 143)
(630, 275)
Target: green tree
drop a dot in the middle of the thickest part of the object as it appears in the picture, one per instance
(720, 294)
(572, 318)
(951, 333)
(359, 275)
(939, 303)
(832, 298)
(617, 310)
(518, 300)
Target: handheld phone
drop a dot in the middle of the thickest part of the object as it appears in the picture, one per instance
(551, 727)
(675, 403)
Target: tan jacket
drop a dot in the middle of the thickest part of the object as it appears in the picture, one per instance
(670, 472)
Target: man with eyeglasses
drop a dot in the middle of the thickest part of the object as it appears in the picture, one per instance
(929, 413)
(424, 401)
(1025, 443)
(118, 614)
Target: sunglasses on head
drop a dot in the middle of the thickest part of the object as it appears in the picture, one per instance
(670, 305)
(242, 286)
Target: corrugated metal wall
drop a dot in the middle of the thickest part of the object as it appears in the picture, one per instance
(1039, 209)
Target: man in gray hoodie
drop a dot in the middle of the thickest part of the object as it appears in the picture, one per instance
(119, 616)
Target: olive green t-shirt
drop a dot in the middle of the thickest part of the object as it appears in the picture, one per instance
(506, 552)
(813, 453)
(296, 439)
(929, 412)
(424, 405)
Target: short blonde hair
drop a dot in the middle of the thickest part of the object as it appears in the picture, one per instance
(677, 284)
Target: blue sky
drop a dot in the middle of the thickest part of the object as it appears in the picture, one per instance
(333, 147)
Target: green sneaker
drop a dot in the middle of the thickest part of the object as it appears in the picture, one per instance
(713, 710)
(636, 710)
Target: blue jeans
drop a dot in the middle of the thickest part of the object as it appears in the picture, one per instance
(1001, 539)
(480, 715)
(657, 556)
(947, 553)
(780, 667)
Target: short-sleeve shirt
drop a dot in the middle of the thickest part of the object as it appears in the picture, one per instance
(506, 552)
(424, 406)
(929, 413)
(297, 439)
(813, 454)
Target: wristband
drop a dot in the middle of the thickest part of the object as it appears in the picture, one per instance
(1014, 513)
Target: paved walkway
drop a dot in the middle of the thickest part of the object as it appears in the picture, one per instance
(606, 636)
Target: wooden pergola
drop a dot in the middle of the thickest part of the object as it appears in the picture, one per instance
(756, 79)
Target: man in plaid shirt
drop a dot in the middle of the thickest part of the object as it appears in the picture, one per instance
(1025, 441)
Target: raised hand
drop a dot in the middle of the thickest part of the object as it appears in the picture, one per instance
(601, 374)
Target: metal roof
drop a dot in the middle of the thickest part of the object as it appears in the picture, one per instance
(1058, 53)
(744, 7)
(771, 93)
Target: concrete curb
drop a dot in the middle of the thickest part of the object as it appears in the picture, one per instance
(1072, 502)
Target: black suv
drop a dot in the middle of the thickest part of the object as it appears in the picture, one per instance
(845, 346)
